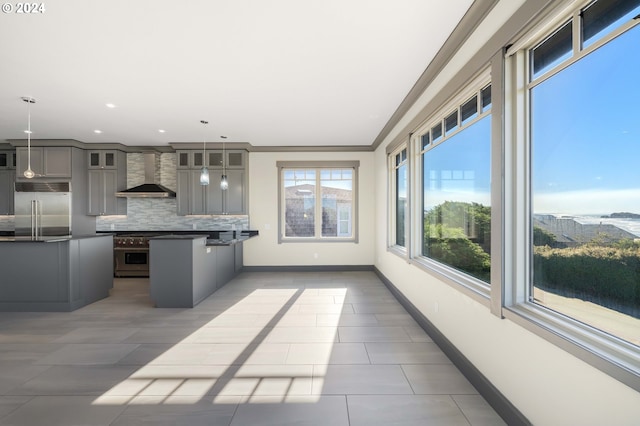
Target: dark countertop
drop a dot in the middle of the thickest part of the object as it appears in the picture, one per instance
(220, 237)
(225, 241)
(225, 234)
(48, 239)
(214, 237)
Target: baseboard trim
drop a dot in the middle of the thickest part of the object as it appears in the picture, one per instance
(509, 413)
(308, 268)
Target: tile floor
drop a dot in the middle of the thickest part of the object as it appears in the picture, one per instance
(266, 349)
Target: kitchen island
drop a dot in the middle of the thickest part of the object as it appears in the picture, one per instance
(185, 269)
(55, 274)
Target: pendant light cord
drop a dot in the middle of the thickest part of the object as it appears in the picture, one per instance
(29, 133)
(29, 174)
(204, 142)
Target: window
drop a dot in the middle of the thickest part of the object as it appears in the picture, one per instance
(399, 195)
(318, 201)
(585, 181)
(456, 194)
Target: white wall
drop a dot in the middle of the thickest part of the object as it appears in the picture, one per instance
(548, 385)
(263, 213)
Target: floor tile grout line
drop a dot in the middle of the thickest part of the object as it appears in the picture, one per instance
(404, 373)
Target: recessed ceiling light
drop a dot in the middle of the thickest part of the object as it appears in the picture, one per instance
(28, 132)
(110, 106)
(97, 131)
(162, 131)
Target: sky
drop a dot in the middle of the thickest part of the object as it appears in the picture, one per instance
(586, 133)
(461, 167)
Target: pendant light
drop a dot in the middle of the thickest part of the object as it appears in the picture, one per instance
(224, 183)
(29, 174)
(204, 172)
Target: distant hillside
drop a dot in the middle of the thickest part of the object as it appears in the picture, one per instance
(623, 215)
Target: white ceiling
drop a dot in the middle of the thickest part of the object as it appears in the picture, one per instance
(267, 72)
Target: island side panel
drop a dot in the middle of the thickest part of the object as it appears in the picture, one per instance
(204, 270)
(35, 276)
(171, 272)
(225, 264)
(95, 269)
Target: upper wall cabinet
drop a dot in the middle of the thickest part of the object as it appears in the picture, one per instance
(7, 179)
(195, 159)
(190, 159)
(46, 162)
(103, 159)
(7, 160)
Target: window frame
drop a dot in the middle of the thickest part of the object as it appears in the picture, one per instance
(475, 288)
(317, 166)
(393, 199)
(612, 355)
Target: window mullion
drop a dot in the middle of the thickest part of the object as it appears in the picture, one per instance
(497, 184)
(318, 209)
(576, 33)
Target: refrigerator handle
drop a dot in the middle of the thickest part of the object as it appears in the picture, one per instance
(38, 230)
(33, 219)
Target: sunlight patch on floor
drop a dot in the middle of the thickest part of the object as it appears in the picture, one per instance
(260, 326)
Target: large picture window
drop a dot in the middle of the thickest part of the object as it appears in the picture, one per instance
(399, 194)
(456, 197)
(585, 179)
(318, 201)
(526, 191)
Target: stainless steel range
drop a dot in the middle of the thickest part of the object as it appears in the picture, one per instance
(131, 255)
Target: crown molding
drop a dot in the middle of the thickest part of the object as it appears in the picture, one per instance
(467, 25)
(323, 148)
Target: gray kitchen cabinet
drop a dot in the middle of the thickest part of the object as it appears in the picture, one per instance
(103, 184)
(190, 195)
(107, 175)
(231, 201)
(7, 160)
(46, 162)
(212, 158)
(7, 180)
(234, 159)
(190, 159)
(103, 159)
(55, 276)
(239, 258)
(194, 198)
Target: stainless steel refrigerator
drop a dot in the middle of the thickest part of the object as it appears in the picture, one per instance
(42, 209)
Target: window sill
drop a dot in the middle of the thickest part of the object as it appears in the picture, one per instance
(472, 287)
(398, 251)
(613, 356)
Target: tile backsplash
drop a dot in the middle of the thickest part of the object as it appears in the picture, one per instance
(159, 214)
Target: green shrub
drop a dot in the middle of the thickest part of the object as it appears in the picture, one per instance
(609, 276)
(543, 238)
(452, 247)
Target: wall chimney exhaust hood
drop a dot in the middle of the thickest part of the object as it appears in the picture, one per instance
(149, 189)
